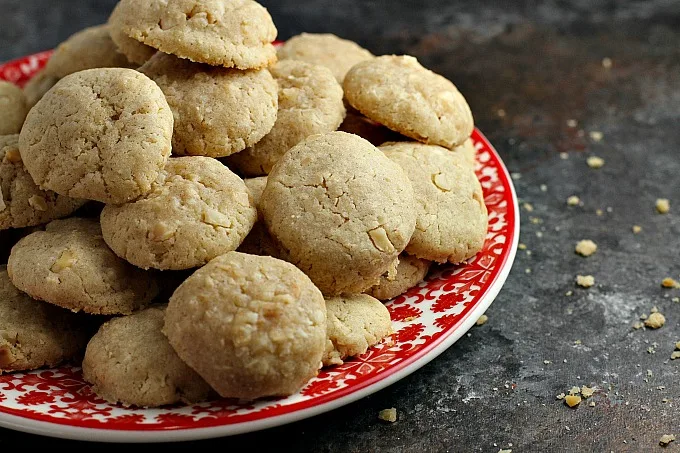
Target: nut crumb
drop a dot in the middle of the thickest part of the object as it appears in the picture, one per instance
(677, 345)
(663, 205)
(666, 439)
(668, 282)
(572, 400)
(410, 318)
(572, 123)
(522, 246)
(607, 63)
(675, 355)
(573, 200)
(596, 136)
(586, 247)
(528, 207)
(655, 321)
(388, 415)
(637, 229)
(65, 261)
(564, 156)
(585, 281)
(560, 396)
(638, 325)
(676, 299)
(569, 293)
(595, 162)
(575, 390)
(482, 320)
(547, 362)
(592, 404)
(599, 212)
(12, 156)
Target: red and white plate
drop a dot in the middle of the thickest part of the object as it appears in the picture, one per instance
(426, 320)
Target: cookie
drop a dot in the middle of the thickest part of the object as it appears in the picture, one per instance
(34, 334)
(217, 111)
(40, 83)
(198, 209)
(357, 124)
(69, 265)
(251, 326)
(355, 323)
(229, 33)
(401, 94)
(22, 203)
(341, 211)
(410, 272)
(451, 215)
(256, 187)
(337, 54)
(468, 151)
(310, 102)
(99, 134)
(133, 50)
(259, 241)
(13, 108)
(130, 361)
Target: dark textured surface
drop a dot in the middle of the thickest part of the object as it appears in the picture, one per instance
(540, 62)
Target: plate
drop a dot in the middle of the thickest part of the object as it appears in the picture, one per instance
(427, 320)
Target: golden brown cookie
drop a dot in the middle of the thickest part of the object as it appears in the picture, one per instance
(13, 108)
(410, 272)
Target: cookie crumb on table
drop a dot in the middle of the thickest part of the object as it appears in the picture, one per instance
(595, 162)
(586, 247)
(573, 200)
(388, 415)
(572, 123)
(675, 355)
(586, 281)
(587, 392)
(572, 400)
(528, 207)
(607, 63)
(655, 320)
(596, 136)
(669, 282)
(663, 205)
(637, 229)
(666, 439)
(482, 320)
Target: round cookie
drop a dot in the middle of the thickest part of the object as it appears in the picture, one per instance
(251, 326)
(325, 49)
(40, 83)
(401, 94)
(70, 265)
(357, 124)
(354, 324)
(341, 210)
(217, 111)
(34, 334)
(13, 108)
(229, 33)
(468, 151)
(310, 102)
(22, 203)
(451, 215)
(256, 187)
(410, 272)
(198, 209)
(100, 134)
(133, 50)
(130, 361)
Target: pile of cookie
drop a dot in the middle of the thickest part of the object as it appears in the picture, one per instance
(122, 189)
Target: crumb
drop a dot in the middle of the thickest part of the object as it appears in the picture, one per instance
(638, 325)
(677, 345)
(596, 136)
(595, 162)
(572, 400)
(560, 396)
(637, 229)
(564, 156)
(572, 123)
(543, 188)
(668, 282)
(528, 207)
(528, 252)
(504, 451)
(410, 318)
(654, 309)
(482, 320)
(574, 390)
(388, 415)
(643, 316)
(569, 293)
(675, 355)
(651, 350)
(607, 63)
(663, 205)
(586, 247)
(500, 113)
(586, 281)
(676, 299)
(599, 212)
(650, 373)
(573, 200)
(535, 220)
(527, 271)
(522, 246)
(592, 404)
(547, 362)
(666, 439)
(539, 234)
(516, 175)
(655, 321)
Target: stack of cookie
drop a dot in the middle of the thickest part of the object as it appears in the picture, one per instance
(268, 277)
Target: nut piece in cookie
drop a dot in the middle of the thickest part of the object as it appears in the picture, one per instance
(130, 361)
(100, 134)
(230, 33)
(341, 210)
(401, 94)
(13, 108)
(325, 49)
(251, 326)
(69, 265)
(310, 102)
(451, 220)
(217, 111)
(410, 272)
(34, 334)
(196, 210)
(355, 323)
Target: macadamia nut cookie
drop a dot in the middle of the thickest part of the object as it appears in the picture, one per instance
(355, 323)
(130, 361)
(325, 49)
(401, 94)
(13, 108)
(229, 33)
(198, 209)
(217, 111)
(22, 203)
(251, 326)
(410, 272)
(133, 50)
(452, 219)
(341, 210)
(34, 334)
(100, 134)
(310, 102)
(69, 265)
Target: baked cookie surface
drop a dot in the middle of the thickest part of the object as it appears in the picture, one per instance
(99, 134)
(198, 209)
(13, 108)
(410, 272)
(135, 51)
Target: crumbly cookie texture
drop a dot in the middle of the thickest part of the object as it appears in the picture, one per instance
(198, 209)
(35, 89)
(135, 51)
(451, 215)
(250, 326)
(229, 33)
(130, 361)
(337, 54)
(217, 111)
(355, 323)
(341, 210)
(34, 334)
(69, 265)
(410, 272)
(401, 94)
(13, 108)
(99, 134)
(310, 102)
(357, 124)
(22, 203)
